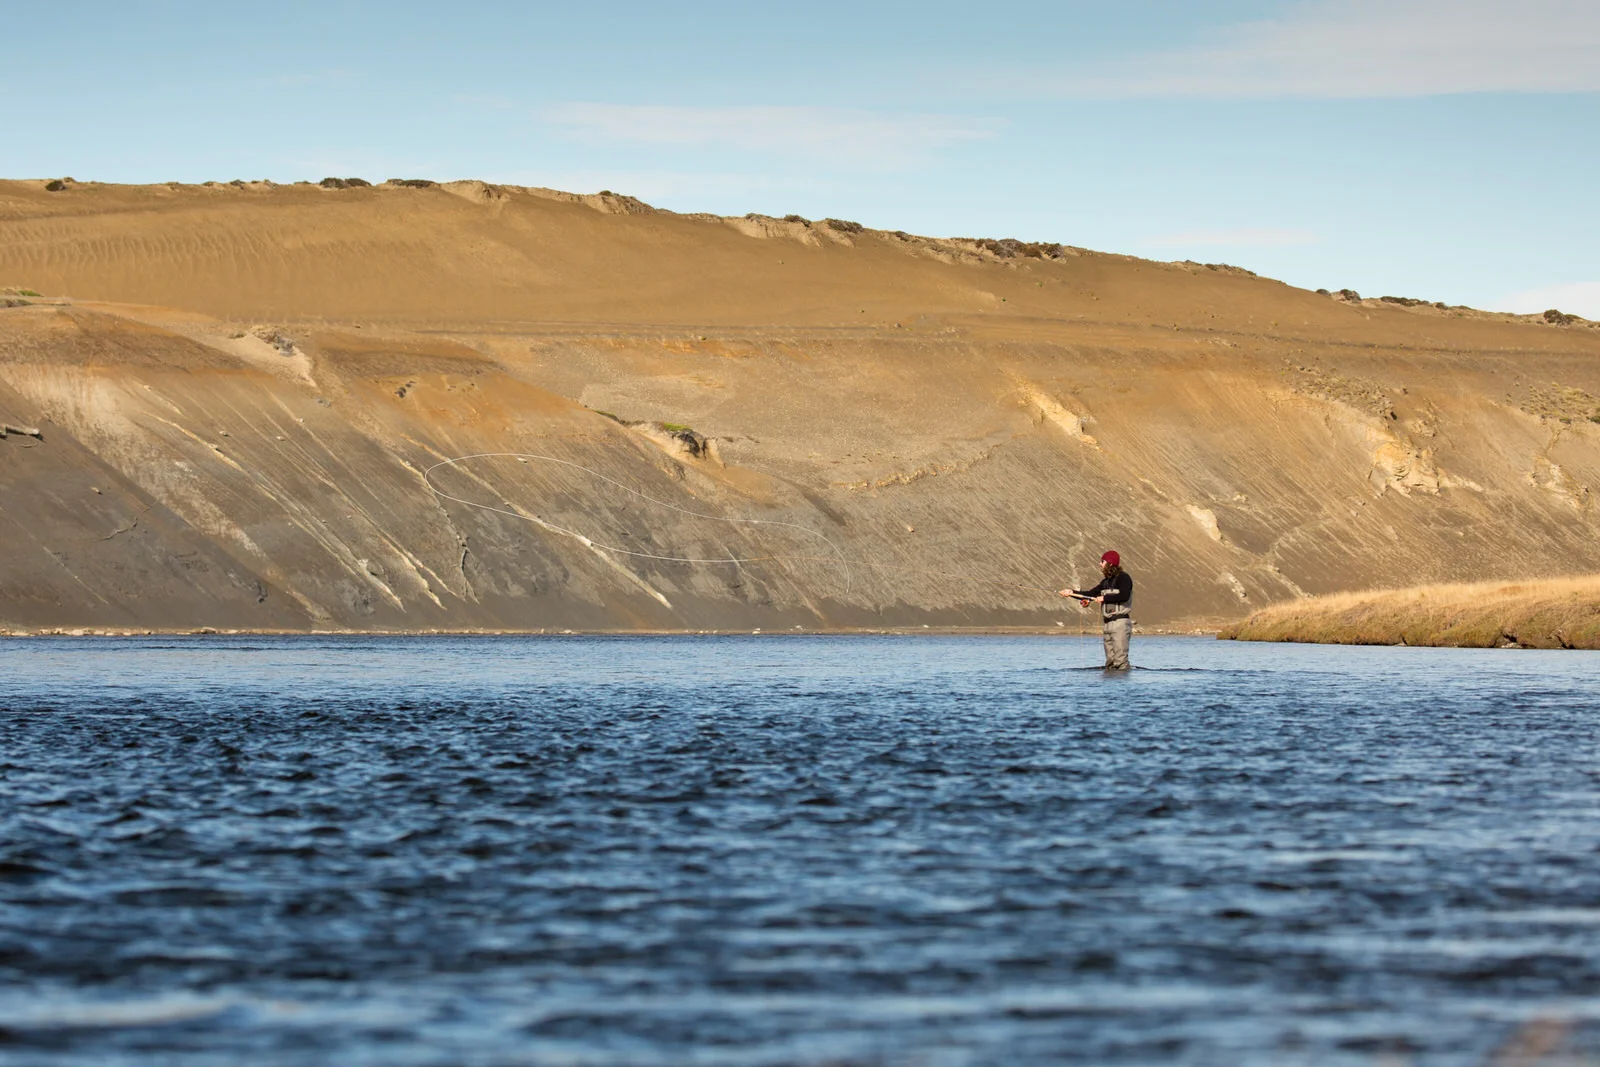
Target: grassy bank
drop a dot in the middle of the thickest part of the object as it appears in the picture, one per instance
(1550, 613)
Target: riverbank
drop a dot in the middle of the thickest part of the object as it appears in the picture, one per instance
(1058, 630)
(1551, 613)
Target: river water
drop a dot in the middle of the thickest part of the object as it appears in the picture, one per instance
(795, 850)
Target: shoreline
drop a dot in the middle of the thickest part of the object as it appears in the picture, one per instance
(883, 631)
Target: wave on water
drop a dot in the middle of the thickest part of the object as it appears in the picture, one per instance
(664, 852)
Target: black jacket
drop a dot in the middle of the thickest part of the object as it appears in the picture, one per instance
(1118, 592)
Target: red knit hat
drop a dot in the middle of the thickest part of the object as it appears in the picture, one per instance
(1111, 558)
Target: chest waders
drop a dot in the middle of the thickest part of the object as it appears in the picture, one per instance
(1117, 622)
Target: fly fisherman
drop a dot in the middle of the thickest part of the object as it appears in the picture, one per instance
(1114, 594)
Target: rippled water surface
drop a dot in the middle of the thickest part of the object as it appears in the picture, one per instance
(795, 850)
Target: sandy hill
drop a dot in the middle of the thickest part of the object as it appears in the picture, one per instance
(240, 389)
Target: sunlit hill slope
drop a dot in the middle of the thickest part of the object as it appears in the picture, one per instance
(239, 391)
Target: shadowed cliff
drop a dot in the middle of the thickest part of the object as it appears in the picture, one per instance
(243, 392)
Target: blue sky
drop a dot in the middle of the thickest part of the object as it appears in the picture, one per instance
(1433, 148)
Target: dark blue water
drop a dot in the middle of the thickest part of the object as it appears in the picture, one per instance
(796, 850)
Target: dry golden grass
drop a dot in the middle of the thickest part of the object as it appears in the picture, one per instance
(1551, 613)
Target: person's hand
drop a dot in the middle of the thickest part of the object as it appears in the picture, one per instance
(1066, 593)
(1099, 600)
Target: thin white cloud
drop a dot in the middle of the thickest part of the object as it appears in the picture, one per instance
(836, 135)
(1244, 237)
(1575, 298)
(1350, 49)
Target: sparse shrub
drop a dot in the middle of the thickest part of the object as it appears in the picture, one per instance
(29, 292)
(1229, 268)
(1323, 292)
(56, 186)
(843, 225)
(1011, 248)
(801, 219)
(609, 415)
(1559, 318)
(903, 235)
(1441, 305)
(1040, 250)
(693, 443)
(271, 335)
(1403, 301)
(418, 183)
(1349, 294)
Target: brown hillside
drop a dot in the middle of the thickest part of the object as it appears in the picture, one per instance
(240, 388)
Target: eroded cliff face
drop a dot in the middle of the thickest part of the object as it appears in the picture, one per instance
(246, 398)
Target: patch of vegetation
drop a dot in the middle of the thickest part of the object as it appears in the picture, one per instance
(1561, 403)
(607, 192)
(1359, 393)
(56, 186)
(614, 418)
(1559, 318)
(801, 219)
(417, 183)
(29, 292)
(1349, 295)
(344, 183)
(843, 225)
(13, 302)
(697, 445)
(1011, 248)
(1403, 301)
(272, 336)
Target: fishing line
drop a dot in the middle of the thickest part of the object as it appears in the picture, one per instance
(838, 556)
